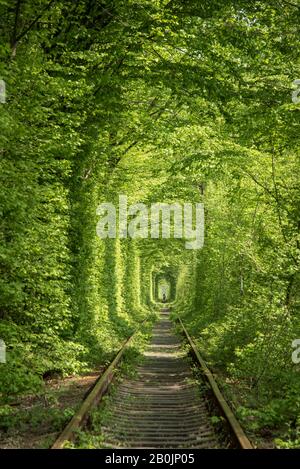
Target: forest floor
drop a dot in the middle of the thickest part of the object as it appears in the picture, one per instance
(237, 396)
(35, 421)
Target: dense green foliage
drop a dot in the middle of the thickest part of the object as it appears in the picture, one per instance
(163, 101)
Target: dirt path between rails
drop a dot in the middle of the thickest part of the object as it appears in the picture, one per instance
(161, 406)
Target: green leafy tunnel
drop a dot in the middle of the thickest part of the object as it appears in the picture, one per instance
(173, 102)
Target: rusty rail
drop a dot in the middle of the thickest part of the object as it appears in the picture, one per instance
(92, 399)
(103, 382)
(236, 429)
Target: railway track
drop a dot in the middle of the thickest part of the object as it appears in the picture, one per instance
(160, 407)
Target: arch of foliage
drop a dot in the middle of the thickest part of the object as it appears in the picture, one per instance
(161, 100)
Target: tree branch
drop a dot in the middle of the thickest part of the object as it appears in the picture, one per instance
(13, 41)
(33, 22)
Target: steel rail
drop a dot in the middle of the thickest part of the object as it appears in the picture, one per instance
(102, 383)
(235, 427)
(93, 398)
